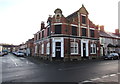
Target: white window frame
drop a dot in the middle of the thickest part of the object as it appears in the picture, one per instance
(92, 46)
(74, 45)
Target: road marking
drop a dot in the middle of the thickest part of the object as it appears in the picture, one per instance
(113, 74)
(86, 81)
(105, 76)
(14, 62)
(95, 79)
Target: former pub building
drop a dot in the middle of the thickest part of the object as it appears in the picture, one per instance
(67, 38)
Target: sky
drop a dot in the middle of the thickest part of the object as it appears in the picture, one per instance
(20, 19)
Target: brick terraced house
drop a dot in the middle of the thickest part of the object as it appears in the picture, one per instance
(68, 38)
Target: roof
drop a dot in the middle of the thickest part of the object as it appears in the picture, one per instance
(108, 34)
(103, 34)
(81, 10)
(113, 35)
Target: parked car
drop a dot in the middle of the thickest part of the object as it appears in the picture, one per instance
(15, 53)
(20, 54)
(112, 56)
(1, 53)
(5, 52)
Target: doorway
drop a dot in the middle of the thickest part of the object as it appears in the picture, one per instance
(58, 50)
(84, 50)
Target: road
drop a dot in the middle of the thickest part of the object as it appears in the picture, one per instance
(29, 69)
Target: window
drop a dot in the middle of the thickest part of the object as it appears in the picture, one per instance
(36, 49)
(74, 48)
(74, 30)
(35, 37)
(91, 33)
(93, 49)
(57, 29)
(48, 31)
(42, 49)
(83, 20)
(83, 32)
(39, 35)
(43, 34)
(48, 49)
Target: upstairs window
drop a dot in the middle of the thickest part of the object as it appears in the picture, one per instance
(74, 30)
(83, 20)
(43, 34)
(39, 35)
(48, 31)
(92, 33)
(57, 29)
(83, 32)
(35, 37)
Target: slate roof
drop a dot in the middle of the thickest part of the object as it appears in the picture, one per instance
(107, 34)
(103, 34)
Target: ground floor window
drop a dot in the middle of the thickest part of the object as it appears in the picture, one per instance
(93, 49)
(74, 48)
(36, 49)
(48, 48)
(42, 49)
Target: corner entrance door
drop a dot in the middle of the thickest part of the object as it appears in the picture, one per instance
(84, 50)
(58, 50)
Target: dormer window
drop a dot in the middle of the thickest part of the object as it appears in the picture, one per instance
(83, 19)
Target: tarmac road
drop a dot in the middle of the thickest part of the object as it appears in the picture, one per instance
(29, 69)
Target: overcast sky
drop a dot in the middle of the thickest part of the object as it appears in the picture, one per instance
(20, 19)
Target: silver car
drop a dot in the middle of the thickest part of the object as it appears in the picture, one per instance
(112, 56)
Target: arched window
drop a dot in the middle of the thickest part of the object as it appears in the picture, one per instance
(74, 48)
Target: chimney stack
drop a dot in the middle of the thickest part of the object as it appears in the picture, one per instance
(102, 28)
(117, 31)
(42, 25)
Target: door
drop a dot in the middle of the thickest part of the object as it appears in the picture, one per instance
(58, 50)
(84, 50)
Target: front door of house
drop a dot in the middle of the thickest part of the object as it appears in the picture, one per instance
(84, 50)
(58, 50)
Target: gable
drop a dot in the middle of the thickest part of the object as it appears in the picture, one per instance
(83, 10)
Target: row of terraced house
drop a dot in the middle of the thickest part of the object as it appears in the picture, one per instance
(72, 37)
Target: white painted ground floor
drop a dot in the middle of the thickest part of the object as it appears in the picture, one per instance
(67, 48)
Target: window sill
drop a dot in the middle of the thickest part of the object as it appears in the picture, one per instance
(93, 53)
(73, 53)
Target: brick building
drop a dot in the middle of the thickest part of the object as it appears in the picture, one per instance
(109, 42)
(30, 47)
(71, 37)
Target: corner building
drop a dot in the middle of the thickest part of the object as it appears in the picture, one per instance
(67, 38)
